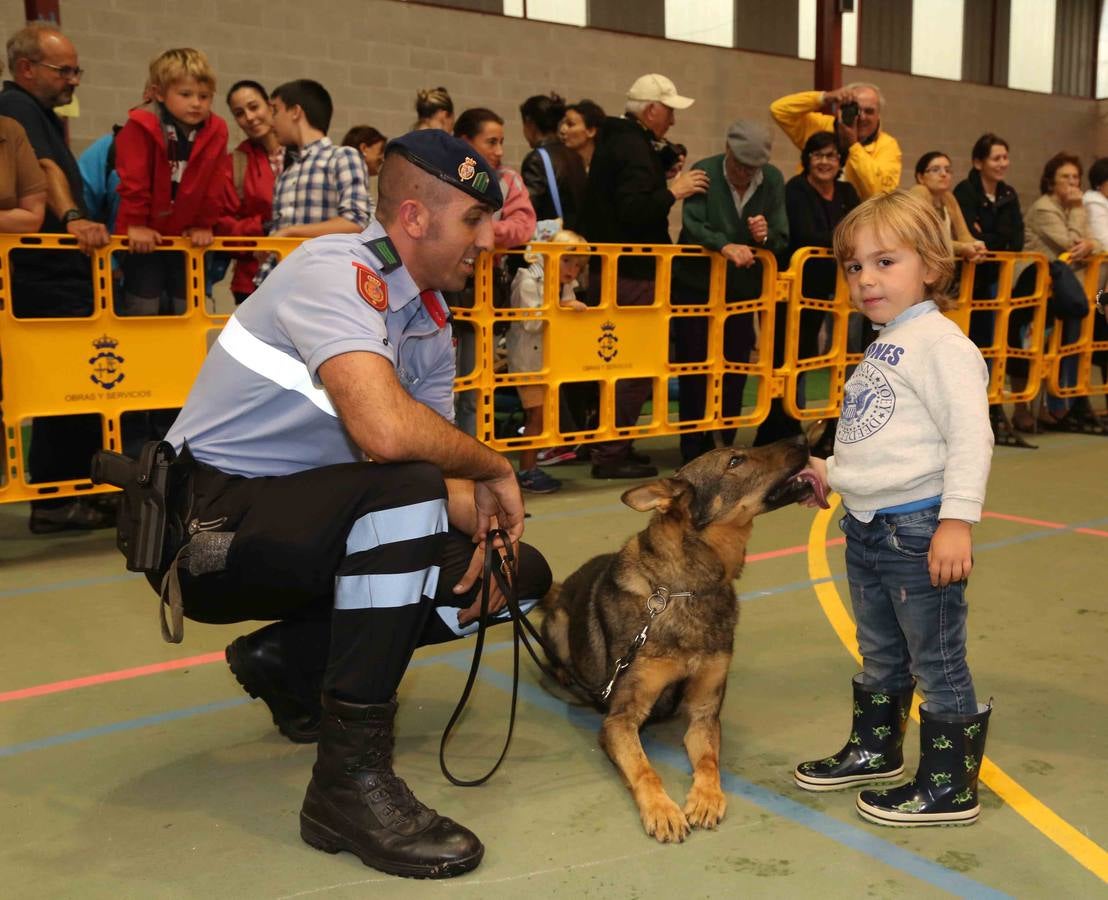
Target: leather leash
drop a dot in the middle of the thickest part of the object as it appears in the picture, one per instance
(502, 568)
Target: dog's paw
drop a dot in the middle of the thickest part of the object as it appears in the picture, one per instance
(705, 806)
(663, 819)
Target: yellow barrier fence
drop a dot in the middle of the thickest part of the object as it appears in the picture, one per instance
(112, 365)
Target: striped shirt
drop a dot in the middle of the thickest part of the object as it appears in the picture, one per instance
(321, 182)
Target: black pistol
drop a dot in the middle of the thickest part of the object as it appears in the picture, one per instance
(142, 516)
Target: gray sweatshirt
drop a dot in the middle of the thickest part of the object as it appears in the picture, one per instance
(915, 421)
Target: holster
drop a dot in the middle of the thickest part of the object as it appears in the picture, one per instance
(150, 535)
(143, 515)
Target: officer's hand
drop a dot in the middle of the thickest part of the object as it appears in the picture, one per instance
(141, 239)
(90, 235)
(499, 500)
(473, 576)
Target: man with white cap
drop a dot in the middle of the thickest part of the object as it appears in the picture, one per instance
(742, 211)
(628, 202)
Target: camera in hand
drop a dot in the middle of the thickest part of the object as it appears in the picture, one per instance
(848, 112)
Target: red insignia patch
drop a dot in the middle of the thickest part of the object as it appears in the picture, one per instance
(372, 288)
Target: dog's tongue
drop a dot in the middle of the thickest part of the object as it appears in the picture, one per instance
(818, 491)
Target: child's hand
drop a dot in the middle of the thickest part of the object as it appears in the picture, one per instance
(200, 237)
(575, 305)
(950, 558)
(141, 239)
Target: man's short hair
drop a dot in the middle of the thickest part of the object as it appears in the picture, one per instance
(401, 180)
(311, 97)
(636, 107)
(180, 63)
(27, 43)
(869, 86)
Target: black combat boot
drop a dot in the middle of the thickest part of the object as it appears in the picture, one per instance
(283, 664)
(944, 791)
(355, 802)
(873, 751)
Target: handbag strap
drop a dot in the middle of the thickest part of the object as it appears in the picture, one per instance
(551, 181)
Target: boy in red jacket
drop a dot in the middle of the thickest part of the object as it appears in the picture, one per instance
(173, 173)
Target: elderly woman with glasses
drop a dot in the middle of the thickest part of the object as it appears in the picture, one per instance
(934, 184)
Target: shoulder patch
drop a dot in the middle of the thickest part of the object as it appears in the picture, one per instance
(386, 254)
(371, 287)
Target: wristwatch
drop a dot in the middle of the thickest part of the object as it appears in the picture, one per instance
(71, 214)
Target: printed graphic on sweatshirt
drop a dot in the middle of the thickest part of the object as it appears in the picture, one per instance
(868, 404)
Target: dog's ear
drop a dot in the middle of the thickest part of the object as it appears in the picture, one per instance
(658, 494)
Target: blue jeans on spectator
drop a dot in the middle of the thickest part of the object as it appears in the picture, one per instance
(1067, 369)
(905, 626)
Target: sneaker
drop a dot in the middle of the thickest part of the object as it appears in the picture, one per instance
(554, 455)
(536, 481)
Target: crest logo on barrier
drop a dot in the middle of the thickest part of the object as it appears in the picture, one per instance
(106, 364)
(607, 349)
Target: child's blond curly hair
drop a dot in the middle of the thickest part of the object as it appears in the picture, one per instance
(181, 62)
(909, 221)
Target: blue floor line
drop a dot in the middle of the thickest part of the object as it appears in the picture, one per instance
(850, 836)
(855, 837)
(117, 727)
(70, 585)
(752, 595)
(455, 658)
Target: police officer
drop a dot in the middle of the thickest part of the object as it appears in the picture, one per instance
(319, 432)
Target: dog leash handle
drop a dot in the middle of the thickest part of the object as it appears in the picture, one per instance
(502, 570)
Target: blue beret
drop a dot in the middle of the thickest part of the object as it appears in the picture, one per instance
(452, 160)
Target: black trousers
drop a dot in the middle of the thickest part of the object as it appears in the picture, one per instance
(360, 554)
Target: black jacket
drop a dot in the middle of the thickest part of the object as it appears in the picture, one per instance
(812, 222)
(999, 224)
(569, 173)
(627, 200)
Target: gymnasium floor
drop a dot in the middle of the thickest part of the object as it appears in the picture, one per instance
(133, 768)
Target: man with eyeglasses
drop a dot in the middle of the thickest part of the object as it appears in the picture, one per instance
(853, 113)
(54, 283)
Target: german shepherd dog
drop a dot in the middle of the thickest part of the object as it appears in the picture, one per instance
(695, 542)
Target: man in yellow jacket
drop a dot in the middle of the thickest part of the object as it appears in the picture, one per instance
(873, 157)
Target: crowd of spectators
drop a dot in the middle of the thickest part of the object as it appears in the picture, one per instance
(612, 178)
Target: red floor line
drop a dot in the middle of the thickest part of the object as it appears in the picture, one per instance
(789, 551)
(106, 677)
(206, 658)
(1023, 520)
(1093, 531)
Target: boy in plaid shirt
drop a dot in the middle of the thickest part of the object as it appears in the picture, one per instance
(324, 188)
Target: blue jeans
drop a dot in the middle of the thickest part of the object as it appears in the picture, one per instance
(905, 626)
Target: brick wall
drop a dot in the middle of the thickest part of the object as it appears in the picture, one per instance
(374, 54)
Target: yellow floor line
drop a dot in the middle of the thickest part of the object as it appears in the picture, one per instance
(1087, 852)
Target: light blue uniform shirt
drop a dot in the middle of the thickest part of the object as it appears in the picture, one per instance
(258, 408)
